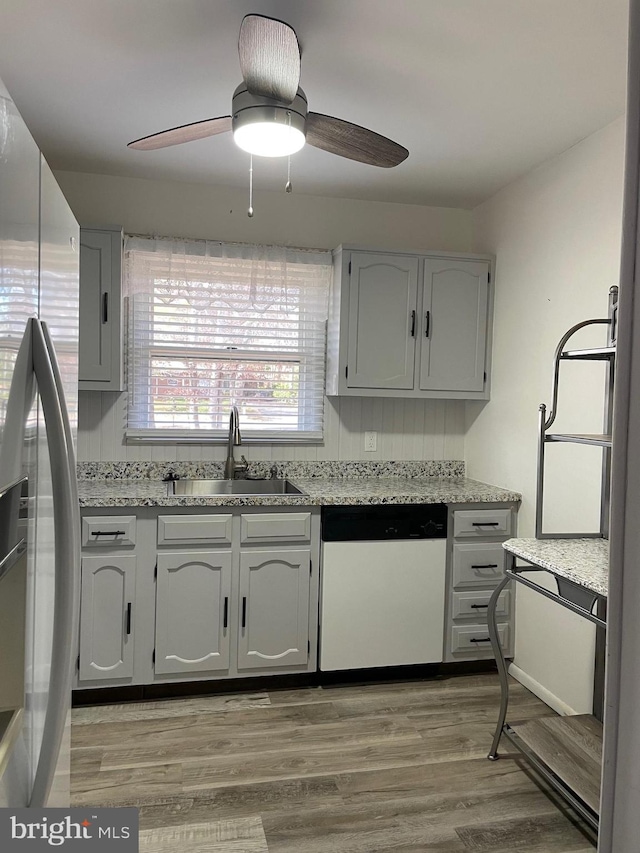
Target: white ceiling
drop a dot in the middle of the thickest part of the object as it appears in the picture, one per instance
(479, 91)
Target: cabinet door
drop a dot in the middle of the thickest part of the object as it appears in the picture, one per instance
(192, 610)
(454, 325)
(100, 360)
(274, 609)
(382, 321)
(106, 617)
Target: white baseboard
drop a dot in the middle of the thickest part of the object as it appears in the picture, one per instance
(541, 692)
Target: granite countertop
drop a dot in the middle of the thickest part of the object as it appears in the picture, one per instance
(583, 561)
(320, 491)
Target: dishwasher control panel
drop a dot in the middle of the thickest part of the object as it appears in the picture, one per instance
(383, 522)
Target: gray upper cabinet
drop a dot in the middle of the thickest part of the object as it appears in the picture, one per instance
(274, 609)
(454, 305)
(409, 325)
(382, 321)
(192, 611)
(101, 356)
(106, 617)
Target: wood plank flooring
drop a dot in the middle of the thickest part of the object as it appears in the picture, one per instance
(396, 767)
(572, 748)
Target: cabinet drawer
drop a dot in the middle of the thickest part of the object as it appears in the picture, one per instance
(482, 522)
(276, 527)
(474, 639)
(480, 563)
(194, 529)
(475, 604)
(108, 531)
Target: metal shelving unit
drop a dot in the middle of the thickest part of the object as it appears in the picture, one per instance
(566, 751)
(547, 418)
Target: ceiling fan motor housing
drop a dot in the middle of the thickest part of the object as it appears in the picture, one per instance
(249, 109)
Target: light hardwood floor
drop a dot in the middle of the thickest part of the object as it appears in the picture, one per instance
(396, 767)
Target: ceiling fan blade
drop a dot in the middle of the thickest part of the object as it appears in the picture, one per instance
(184, 133)
(269, 58)
(352, 141)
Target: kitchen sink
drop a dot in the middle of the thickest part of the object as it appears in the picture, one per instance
(233, 487)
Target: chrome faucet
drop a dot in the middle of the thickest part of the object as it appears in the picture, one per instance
(233, 469)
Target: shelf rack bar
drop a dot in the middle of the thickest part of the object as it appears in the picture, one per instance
(516, 574)
(546, 417)
(503, 727)
(554, 781)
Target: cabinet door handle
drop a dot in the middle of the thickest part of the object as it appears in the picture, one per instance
(244, 611)
(105, 307)
(108, 533)
(427, 324)
(128, 618)
(485, 524)
(225, 620)
(413, 324)
(480, 640)
(479, 606)
(485, 566)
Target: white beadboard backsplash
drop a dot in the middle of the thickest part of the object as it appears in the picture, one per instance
(407, 429)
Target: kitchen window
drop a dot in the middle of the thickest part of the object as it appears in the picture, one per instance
(212, 325)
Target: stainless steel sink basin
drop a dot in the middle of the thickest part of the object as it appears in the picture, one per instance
(233, 487)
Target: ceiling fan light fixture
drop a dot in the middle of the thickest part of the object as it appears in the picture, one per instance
(268, 128)
(268, 138)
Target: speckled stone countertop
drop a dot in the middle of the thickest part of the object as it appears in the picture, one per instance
(583, 561)
(320, 491)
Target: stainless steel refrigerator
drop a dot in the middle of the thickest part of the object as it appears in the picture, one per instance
(39, 523)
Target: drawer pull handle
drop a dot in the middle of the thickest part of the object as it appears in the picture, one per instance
(244, 611)
(485, 524)
(413, 324)
(480, 640)
(427, 322)
(479, 606)
(128, 618)
(225, 621)
(485, 566)
(105, 307)
(108, 533)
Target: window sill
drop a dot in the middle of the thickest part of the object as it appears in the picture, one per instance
(140, 436)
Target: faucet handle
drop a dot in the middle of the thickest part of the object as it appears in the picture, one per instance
(243, 464)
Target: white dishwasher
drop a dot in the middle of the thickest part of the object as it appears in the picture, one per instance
(382, 585)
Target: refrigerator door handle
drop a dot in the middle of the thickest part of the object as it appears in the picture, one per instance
(66, 514)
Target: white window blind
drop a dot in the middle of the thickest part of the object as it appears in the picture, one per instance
(214, 325)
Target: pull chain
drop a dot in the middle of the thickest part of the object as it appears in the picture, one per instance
(287, 186)
(250, 210)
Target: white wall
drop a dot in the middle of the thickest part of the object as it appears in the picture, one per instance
(408, 429)
(556, 234)
(220, 213)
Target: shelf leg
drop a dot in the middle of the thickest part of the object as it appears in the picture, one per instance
(501, 664)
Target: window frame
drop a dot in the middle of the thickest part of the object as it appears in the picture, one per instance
(170, 435)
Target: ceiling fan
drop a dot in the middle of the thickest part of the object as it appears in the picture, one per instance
(269, 109)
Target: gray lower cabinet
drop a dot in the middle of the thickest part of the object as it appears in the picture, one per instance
(188, 594)
(192, 611)
(106, 617)
(274, 608)
(476, 565)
